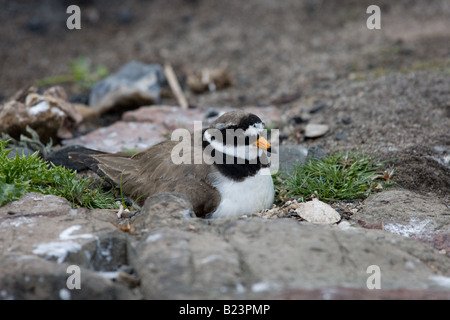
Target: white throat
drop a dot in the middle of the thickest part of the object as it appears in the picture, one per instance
(238, 198)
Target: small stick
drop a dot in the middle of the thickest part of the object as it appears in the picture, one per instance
(175, 86)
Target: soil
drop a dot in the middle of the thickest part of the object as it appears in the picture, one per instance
(386, 92)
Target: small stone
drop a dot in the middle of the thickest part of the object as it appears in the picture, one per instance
(318, 108)
(318, 212)
(341, 136)
(36, 25)
(315, 130)
(124, 16)
(347, 120)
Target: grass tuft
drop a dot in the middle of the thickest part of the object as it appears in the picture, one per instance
(19, 175)
(340, 176)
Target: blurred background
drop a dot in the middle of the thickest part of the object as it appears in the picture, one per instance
(269, 48)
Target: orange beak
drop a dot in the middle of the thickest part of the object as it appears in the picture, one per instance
(262, 143)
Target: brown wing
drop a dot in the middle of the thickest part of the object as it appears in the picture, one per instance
(153, 171)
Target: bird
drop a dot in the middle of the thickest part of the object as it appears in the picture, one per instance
(225, 172)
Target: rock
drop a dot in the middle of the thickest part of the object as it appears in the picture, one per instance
(232, 259)
(42, 235)
(292, 155)
(343, 293)
(170, 117)
(134, 85)
(319, 212)
(316, 153)
(121, 136)
(61, 234)
(37, 25)
(209, 80)
(315, 130)
(286, 98)
(124, 16)
(341, 136)
(33, 204)
(318, 108)
(407, 214)
(347, 120)
(32, 278)
(169, 255)
(164, 208)
(49, 114)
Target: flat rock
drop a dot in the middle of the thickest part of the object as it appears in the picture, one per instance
(171, 117)
(135, 84)
(230, 259)
(170, 255)
(27, 277)
(33, 203)
(121, 136)
(407, 214)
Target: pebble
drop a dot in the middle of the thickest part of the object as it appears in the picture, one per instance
(347, 120)
(315, 130)
(318, 212)
(124, 16)
(341, 136)
(318, 108)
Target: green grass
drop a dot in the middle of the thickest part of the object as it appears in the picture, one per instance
(81, 73)
(340, 176)
(19, 175)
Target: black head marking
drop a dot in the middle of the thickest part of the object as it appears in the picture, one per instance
(248, 121)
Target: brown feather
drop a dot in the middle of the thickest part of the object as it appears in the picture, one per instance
(152, 171)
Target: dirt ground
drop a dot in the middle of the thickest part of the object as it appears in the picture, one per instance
(384, 91)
